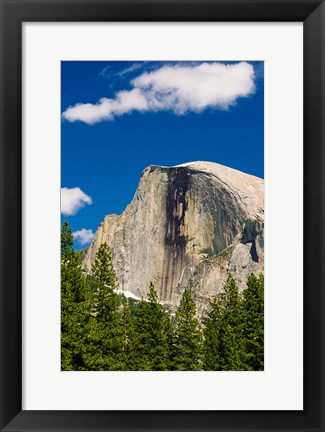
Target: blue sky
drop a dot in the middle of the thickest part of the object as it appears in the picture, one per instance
(119, 117)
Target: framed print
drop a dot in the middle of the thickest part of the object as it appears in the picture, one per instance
(148, 127)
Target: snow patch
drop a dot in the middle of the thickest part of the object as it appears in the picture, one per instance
(185, 164)
(128, 294)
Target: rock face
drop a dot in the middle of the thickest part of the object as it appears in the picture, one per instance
(194, 221)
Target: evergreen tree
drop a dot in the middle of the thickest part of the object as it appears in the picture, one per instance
(105, 301)
(66, 241)
(73, 304)
(212, 323)
(103, 269)
(151, 339)
(104, 332)
(229, 330)
(253, 323)
(187, 346)
(223, 347)
(103, 339)
(128, 353)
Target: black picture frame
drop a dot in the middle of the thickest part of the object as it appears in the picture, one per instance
(13, 14)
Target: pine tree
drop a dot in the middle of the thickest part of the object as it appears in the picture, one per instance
(151, 339)
(105, 301)
(253, 323)
(73, 304)
(212, 323)
(229, 331)
(104, 332)
(222, 334)
(66, 240)
(103, 269)
(187, 346)
(128, 335)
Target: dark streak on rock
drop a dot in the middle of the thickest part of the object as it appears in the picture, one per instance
(251, 231)
(175, 240)
(253, 252)
(176, 205)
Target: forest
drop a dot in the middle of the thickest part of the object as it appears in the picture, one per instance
(102, 330)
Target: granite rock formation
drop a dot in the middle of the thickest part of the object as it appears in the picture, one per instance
(194, 221)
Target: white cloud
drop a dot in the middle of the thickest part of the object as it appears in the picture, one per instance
(106, 109)
(127, 101)
(195, 88)
(130, 69)
(180, 88)
(83, 236)
(73, 200)
(106, 72)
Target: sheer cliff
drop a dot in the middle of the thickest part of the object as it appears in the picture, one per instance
(194, 221)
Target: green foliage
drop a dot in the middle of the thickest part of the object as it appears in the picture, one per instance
(82, 253)
(234, 328)
(229, 329)
(103, 269)
(105, 302)
(128, 352)
(103, 330)
(73, 304)
(66, 239)
(187, 340)
(253, 323)
(151, 336)
(212, 357)
(133, 305)
(222, 332)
